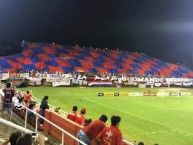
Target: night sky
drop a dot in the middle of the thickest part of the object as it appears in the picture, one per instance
(159, 28)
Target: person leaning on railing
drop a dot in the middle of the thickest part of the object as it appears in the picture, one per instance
(89, 133)
(44, 105)
(112, 134)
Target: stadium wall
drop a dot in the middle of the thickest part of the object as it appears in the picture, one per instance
(64, 123)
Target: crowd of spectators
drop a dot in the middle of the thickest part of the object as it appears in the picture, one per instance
(11, 99)
(17, 100)
(97, 132)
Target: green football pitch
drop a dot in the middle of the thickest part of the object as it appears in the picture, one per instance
(162, 120)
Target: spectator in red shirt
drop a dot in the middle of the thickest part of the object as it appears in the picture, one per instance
(80, 118)
(28, 96)
(111, 135)
(72, 115)
(89, 133)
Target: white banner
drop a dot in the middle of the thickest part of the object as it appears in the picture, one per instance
(100, 83)
(149, 83)
(5, 76)
(142, 85)
(34, 81)
(24, 75)
(80, 82)
(158, 84)
(187, 84)
(178, 83)
(62, 83)
(75, 81)
(51, 80)
(84, 82)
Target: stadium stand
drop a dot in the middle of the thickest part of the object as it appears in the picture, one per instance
(57, 58)
(53, 57)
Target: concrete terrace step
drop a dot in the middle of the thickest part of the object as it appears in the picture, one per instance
(5, 131)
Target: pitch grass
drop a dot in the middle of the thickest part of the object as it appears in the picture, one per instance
(163, 120)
